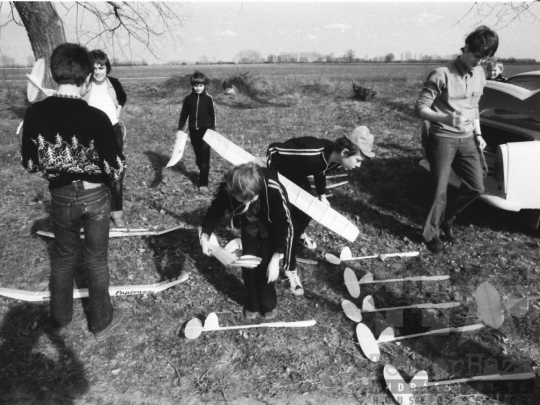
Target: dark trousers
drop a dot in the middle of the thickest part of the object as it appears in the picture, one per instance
(73, 206)
(300, 222)
(260, 294)
(461, 155)
(117, 187)
(202, 154)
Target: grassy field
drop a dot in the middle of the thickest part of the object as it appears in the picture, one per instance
(148, 361)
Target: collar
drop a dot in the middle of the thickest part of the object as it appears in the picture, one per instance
(462, 68)
(61, 95)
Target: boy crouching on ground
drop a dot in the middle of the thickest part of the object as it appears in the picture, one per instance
(75, 148)
(260, 208)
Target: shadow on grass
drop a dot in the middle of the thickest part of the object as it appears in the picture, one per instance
(159, 161)
(180, 250)
(27, 374)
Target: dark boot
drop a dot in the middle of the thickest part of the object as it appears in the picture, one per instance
(449, 233)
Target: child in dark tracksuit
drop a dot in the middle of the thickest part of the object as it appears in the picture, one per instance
(199, 107)
(298, 158)
(259, 206)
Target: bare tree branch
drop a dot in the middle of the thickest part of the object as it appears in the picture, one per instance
(504, 13)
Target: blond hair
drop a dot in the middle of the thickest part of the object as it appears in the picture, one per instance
(244, 182)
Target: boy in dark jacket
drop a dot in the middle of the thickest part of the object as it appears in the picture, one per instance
(298, 158)
(259, 206)
(74, 147)
(199, 107)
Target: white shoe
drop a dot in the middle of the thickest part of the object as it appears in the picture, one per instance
(296, 285)
(308, 242)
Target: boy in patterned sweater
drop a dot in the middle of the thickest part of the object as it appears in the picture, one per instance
(73, 145)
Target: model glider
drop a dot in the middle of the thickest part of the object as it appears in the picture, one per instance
(303, 200)
(353, 285)
(25, 295)
(346, 255)
(370, 345)
(227, 257)
(368, 305)
(123, 232)
(179, 146)
(194, 327)
(403, 392)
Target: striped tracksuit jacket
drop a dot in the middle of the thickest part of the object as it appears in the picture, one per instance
(296, 159)
(275, 218)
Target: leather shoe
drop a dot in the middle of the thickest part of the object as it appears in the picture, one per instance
(434, 245)
(449, 233)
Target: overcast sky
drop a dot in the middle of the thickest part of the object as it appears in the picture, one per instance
(220, 30)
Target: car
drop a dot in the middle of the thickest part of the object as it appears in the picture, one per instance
(527, 80)
(510, 124)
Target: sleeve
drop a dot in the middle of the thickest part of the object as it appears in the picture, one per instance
(111, 159)
(184, 114)
(120, 93)
(212, 113)
(433, 88)
(280, 216)
(320, 183)
(29, 148)
(272, 157)
(218, 207)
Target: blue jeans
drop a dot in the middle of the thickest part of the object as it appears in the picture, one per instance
(461, 155)
(73, 206)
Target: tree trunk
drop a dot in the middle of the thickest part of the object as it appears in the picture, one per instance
(45, 30)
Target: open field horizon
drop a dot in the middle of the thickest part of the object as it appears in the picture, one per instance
(332, 71)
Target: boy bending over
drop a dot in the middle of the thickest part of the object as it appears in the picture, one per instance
(260, 208)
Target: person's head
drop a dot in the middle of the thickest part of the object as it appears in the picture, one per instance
(480, 44)
(354, 148)
(198, 82)
(245, 182)
(71, 64)
(102, 65)
(494, 68)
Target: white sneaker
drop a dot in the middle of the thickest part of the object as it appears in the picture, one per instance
(296, 285)
(308, 242)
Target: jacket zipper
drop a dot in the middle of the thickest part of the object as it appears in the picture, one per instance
(197, 111)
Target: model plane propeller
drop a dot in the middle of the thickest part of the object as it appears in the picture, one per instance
(195, 327)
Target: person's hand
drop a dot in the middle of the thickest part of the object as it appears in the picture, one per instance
(273, 267)
(456, 118)
(480, 142)
(205, 244)
(323, 199)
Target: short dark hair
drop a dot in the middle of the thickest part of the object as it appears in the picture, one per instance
(101, 58)
(244, 182)
(198, 78)
(71, 64)
(343, 143)
(483, 40)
